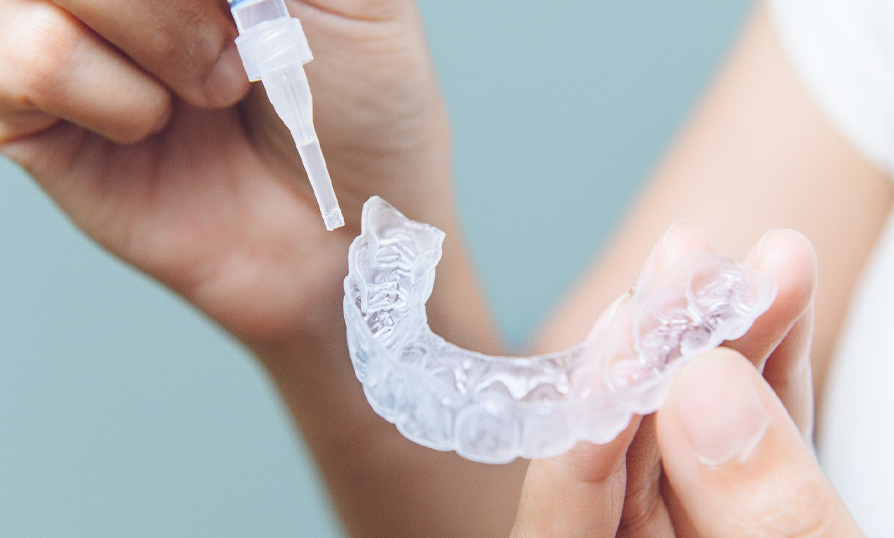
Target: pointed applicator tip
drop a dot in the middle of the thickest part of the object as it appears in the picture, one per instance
(318, 175)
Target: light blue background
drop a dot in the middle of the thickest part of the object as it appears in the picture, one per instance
(125, 414)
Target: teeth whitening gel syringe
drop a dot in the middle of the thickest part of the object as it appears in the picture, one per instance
(274, 50)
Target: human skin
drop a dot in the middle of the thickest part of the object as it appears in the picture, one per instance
(620, 488)
(186, 174)
(757, 138)
(116, 111)
(736, 462)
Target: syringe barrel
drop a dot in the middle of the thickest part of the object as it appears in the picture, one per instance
(248, 13)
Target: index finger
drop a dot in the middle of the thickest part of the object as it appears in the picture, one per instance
(187, 44)
(582, 492)
(789, 257)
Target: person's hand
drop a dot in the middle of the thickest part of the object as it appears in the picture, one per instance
(137, 118)
(737, 463)
(620, 488)
(126, 114)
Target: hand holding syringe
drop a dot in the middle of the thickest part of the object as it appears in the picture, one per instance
(274, 49)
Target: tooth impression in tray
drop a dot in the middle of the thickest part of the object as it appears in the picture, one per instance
(495, 409)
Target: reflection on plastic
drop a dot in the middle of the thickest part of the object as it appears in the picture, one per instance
(495, 409)
(274, 50)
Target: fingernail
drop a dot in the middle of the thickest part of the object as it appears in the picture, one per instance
(227, 81)
(650, 266)
(754, 255)
(721, 411)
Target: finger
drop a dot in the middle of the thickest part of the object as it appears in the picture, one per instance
(682, 524)
(680, 240)
(644, 514)
(788, 373)
(579, 493)
(789, 257)
(590, 480)
(187, 44)
(55, 67)
(736, 461)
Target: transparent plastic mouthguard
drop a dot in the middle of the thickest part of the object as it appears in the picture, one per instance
(495, 409)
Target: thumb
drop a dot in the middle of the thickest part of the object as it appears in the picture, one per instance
(736, 461)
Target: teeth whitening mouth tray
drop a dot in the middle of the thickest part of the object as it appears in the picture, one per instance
(274, 50)
(495, 409)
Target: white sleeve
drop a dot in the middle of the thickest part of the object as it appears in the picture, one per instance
(843, 51)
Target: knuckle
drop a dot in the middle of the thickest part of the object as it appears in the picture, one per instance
(18, 124)
(47, 40)
(642, 506)
(191, 43)
(589, 470)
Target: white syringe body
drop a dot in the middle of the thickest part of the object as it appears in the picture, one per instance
(274, 50)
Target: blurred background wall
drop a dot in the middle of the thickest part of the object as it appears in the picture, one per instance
(125, 414)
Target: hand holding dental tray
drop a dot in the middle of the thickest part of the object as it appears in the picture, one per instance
(491, 409)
